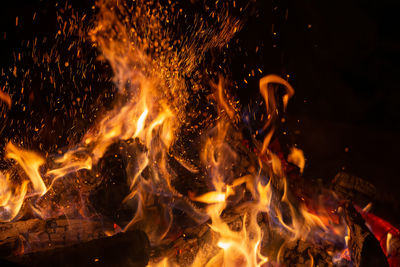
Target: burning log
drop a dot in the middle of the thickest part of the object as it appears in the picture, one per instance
(353, 188)
(185, 247)
(127, 166)
(364, 248)
(387, 235)
(361, 192)
(301, 253)
(35, 235)
(124, 249)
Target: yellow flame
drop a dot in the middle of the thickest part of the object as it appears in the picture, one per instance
(296, 157)
(11, 197)
(30, 163)
(389, 239)
(149, 110)
(12, 194)
(268, 93)
(211, 197)
(140, 123)
(243, 247)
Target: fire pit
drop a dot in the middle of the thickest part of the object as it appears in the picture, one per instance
(126, 144)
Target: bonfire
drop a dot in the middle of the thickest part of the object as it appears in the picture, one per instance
(163, 165)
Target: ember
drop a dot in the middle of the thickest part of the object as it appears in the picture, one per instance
(160, 164)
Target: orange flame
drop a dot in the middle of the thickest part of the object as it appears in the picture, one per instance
(243, 247)
(30, 163)
(11, 197)
(296, 157)
(149, 112)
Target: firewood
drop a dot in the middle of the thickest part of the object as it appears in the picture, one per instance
(37, 235)
(302, 253)
(123, 249)
(353, 188)
(364, 248)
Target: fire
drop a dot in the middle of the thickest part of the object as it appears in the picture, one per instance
(296, 157)
(148, 119)
(13, 194)
(244, 247)
(30, 163)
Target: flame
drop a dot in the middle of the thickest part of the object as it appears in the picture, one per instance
(146, 111)
(296, 157)
(268, 93)
(148, 118)
(237, 247)
(243, 247)
(30, 163)
(11, 197)
(269, 190)
(388, 243)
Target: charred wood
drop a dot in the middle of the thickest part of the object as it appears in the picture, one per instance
(364, 248)
(123, 249)
(300, 253)
(37, 235)
(353, 188)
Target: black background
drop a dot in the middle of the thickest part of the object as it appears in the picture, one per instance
(342, 58)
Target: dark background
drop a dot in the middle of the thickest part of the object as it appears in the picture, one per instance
(342, 58)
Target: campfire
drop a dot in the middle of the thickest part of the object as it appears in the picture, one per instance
(161, 164)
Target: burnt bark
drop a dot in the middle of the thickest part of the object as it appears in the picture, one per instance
(123, 249)
(302, 253)
(36, 235)
(364, 248)
(353, 188)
